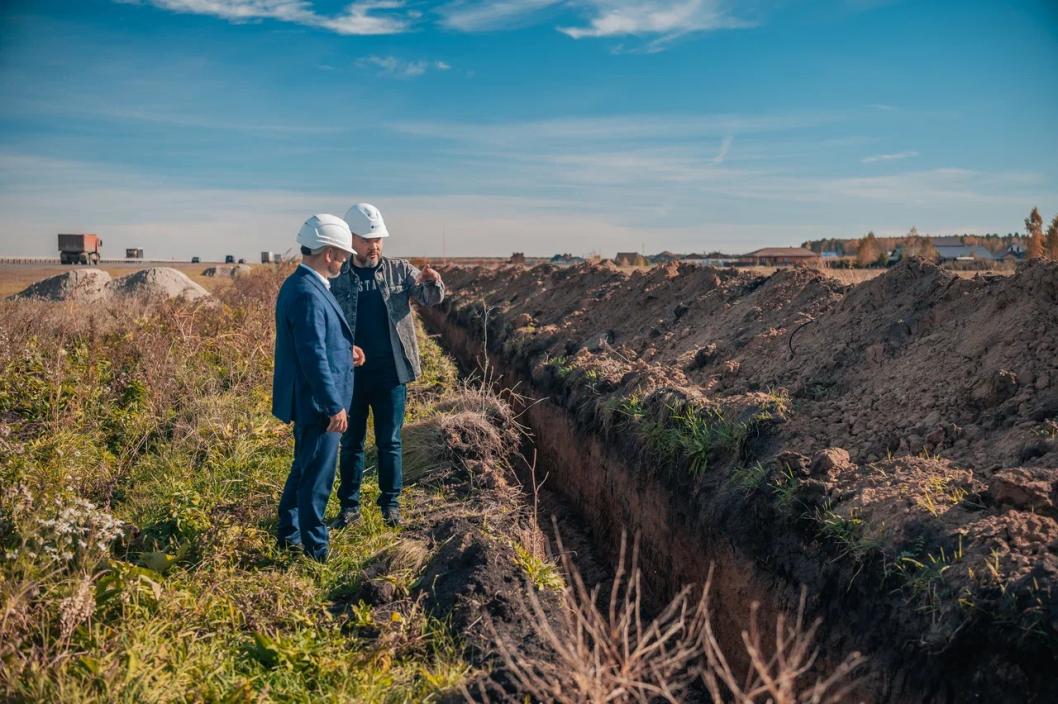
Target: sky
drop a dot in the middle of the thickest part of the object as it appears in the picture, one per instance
(207, 127)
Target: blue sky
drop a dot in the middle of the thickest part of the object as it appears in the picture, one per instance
(213, 126)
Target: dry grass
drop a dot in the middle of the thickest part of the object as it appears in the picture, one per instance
(606, 653)
(167, 586)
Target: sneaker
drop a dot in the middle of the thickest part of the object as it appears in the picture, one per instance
(391, 516)
(346, 518)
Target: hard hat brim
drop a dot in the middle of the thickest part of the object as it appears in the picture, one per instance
(375, 235)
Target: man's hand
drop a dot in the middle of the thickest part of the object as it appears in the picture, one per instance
(339, 422)
(428, 275)
(358, 357)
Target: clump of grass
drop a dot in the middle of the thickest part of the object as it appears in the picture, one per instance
(748, 478)
(540, 573)
(561, 366)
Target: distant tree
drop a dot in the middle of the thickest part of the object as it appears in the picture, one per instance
(1034, 229)
(917, 246)
(869, 252)
(1052, 239)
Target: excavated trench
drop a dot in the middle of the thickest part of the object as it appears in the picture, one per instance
(939, 569)
(609, 495)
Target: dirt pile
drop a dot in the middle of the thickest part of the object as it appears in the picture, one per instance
(158, 283)
(233, 271)
(77, 285)
(893, 445)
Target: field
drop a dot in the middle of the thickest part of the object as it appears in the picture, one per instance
(880, 457)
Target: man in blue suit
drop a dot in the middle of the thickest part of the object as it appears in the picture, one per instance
(313, 381)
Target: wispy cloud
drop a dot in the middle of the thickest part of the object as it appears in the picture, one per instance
(616, 18)
(359, 18)
(476, 16)
(400, 68)
(889, 157)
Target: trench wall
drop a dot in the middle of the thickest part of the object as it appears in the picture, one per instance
(678, 544)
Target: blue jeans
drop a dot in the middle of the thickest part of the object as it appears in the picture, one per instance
(307, 489)
(386, 401)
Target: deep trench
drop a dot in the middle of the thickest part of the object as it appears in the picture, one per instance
(597, 496)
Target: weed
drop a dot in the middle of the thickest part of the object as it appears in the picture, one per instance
(924, 577)
(937, 494)
(562, 367)
(784, 488)
(540, 573)
(748, 478)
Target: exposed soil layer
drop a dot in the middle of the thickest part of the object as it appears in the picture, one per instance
(893, 446)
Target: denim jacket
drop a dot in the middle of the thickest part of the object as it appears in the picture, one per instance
(396, 280)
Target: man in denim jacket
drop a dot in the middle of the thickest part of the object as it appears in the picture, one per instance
(375, 294)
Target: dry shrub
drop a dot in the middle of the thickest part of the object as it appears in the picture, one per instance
(608, 654)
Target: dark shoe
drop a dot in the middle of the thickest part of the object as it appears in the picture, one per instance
(283, 544)
(391, 516)
(320, 557)
(346, 519)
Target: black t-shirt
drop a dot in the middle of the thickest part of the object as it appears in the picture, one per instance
(372, 327)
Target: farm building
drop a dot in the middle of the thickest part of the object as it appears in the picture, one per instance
(630, 259)
(783, 256)
(962, 253)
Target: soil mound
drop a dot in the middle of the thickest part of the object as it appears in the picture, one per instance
(158, 283)
(893, 445)
(78, 285)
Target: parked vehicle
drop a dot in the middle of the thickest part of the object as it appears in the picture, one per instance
(241, 260)
(229, 258)
(196, 260)
(134, 253)
(79, 248)
(269, 257)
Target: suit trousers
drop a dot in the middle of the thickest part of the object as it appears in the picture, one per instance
(307, 489)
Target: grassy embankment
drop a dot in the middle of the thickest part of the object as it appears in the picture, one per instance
(140, 470)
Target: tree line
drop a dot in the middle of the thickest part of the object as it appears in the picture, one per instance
(872, 250)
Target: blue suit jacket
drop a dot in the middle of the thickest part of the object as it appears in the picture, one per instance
(313, 376)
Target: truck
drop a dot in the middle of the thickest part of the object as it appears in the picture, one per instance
(268, 257)
(229, 258)
(79, 248)
(134, 253)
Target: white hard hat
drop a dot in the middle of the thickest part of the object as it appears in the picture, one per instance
(365, 220)
(323, 230)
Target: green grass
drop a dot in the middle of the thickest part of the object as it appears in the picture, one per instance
(540, 573)
(749, 477)
(159, 418)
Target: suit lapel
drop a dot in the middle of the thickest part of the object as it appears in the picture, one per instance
(330, 299)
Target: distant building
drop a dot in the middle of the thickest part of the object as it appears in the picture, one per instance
(1014, 253)
(663, 257)
(630, 259)
(783, 256)
(962, 253)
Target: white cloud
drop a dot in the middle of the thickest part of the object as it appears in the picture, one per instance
(889, 157)
(399, 68)
(615, 18)
(358, 18)
(491, 15)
